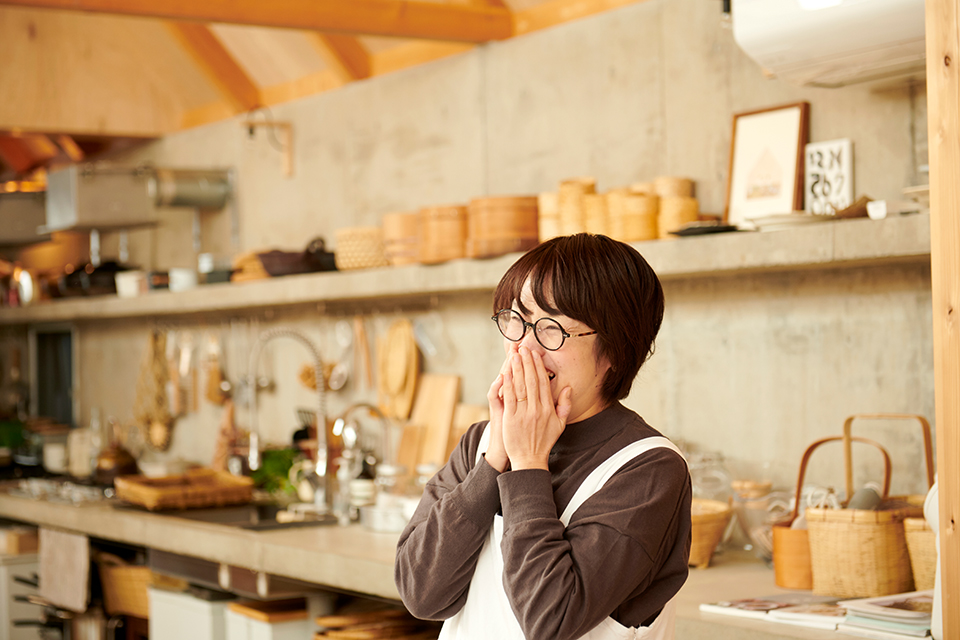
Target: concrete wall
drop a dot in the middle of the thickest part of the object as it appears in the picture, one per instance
(753, 366)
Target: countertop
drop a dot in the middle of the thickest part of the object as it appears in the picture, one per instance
(358, 560)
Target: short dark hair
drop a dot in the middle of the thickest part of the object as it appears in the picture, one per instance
(604, 283)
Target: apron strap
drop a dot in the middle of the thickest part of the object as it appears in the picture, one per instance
(599, 476)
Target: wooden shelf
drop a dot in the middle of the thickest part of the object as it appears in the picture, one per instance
(826, 245)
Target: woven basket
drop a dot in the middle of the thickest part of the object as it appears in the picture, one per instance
(857, 553)
(792, 568)
(921, 545)
(360, 248)
(124, 586)
(709, 519)
(194, 489)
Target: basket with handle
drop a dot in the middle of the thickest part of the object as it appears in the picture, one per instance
(791, 547)
(859, 553)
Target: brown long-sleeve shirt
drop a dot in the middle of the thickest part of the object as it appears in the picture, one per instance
(624, 553)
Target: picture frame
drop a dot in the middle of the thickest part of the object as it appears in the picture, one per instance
(766, 176)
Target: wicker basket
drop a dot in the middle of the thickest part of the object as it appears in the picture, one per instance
(857, 553)
(360, 248)
(709, 520)
(791, 547)
(922, 548)
(194, 489)
(124, 586)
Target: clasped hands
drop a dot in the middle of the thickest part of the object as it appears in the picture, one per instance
(525, 421)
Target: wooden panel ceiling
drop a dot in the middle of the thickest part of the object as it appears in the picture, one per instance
(145, 68)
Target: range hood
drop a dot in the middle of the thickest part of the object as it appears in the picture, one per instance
(103, 198)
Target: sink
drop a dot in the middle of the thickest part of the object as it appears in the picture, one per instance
(254, 517)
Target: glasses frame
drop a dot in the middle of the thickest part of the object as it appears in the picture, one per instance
(533, 325)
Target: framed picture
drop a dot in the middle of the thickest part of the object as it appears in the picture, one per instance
(766, 163)
(829, 176)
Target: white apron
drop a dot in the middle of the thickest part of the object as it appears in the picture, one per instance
(486, 614)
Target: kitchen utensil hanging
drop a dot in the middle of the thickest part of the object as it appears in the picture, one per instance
(151, 407)
(341, 370)
(398, 362)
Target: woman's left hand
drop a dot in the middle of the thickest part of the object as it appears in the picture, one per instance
(532, 423)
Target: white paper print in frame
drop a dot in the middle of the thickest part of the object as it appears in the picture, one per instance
(766, 163)
(828, 186)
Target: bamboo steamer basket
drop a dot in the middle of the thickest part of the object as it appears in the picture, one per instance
(921, 546)
(570, 203)
(443, 233)
(359, 248)
(666, 186)
(400, 237)
(676, 211)
(643, 188)
(709, 519)
(595, 214)
(792, 568)
(500, 225)
(856, 553)
(632, 217)
(548, 216)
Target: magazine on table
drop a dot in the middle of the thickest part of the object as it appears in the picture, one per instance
(876, 634)
(824, 615)
(912, 608)
(902, 628)
(760, 607)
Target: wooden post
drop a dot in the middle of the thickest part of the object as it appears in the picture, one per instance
(943, 108)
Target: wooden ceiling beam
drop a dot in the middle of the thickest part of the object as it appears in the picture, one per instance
(345, 55)
(24, 153)
(71, 148)
(217, 63)
(400, 18)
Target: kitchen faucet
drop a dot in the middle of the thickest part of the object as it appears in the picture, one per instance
(321, 495)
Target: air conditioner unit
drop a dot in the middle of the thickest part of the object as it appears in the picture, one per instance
(833, 43)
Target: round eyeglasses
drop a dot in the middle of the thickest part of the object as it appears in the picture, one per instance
(547, 331)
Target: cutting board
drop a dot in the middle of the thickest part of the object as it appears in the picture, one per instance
(464, 416)
(408, 453)
(436, 400)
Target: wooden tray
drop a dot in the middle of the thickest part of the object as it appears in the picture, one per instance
(194, 489)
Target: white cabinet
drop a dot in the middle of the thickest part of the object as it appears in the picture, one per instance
(24, 565)
(176, 616)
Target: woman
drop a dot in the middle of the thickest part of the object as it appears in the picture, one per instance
(565, 516)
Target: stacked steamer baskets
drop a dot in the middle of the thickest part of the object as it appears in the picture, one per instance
(359, 248)
(678, 207)
(501, 225)
(570, 207)
(632, 214)
(566, 211)
(548, 216)
(442, 233)
(401, 242)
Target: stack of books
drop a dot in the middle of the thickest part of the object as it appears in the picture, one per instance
(894, 617)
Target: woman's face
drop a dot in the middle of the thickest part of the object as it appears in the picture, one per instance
(573, 365)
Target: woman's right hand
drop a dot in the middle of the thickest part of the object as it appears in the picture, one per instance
(496, 455)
